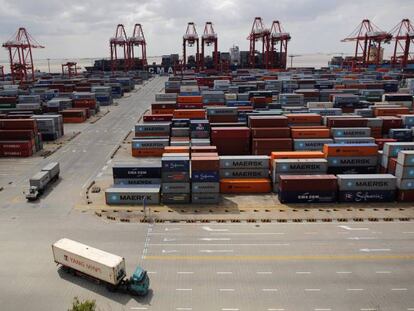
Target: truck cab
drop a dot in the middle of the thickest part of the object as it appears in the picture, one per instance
(139, 282)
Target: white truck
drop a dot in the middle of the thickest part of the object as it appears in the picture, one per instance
(106, 268)
(40, 181)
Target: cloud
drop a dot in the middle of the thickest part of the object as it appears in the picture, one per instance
(82, 28)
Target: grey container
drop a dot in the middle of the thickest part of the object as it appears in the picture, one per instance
(150, 194)
(326, 111)
(404, 172)
(391, 149)
(351, 132)
(205, 198)
(366, 182)
(180, 132)
(244, 173)
(152, 127)
(405, 184)
(352, 161)
(153, 143)
(300, 165)
(354, 140)
(175, 198)
(375, 122)
(178, 187)
(172, 177)
(205, 187)
(406, 158)
(311, 144)
(241, 162)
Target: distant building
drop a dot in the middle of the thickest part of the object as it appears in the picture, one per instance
(235, 55)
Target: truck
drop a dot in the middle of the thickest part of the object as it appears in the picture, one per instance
(106, 268)
(39, 182)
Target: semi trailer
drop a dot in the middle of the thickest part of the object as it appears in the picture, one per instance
(39, 182)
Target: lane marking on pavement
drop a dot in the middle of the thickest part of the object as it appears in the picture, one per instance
(184, 289)
(229, 309)
(353, 229)
(289, 258)
(303, 272)
(224, 272)
(374, 250)
(139, 308)
(215, 239)
(169, 251)
(216, 251)
(220, 244)
(272, 309)
(247, 233)
(217, 230)
(369, 309)
(322, 309)
(169, 240)
(343, 272)
(269, 289)
(312, 289)
(264, 272)
(408, 232)
(172, 229)
(185, 272)
(105, 167)
(184, 309)
(109, 161)
(401, 289)
(383, 272)
(354, 289)
(227, 289)
(410, 309)
(151, 272)
(99, 175)
(310, 232)
(362, 238)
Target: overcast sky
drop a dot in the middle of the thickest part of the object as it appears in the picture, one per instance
(82, 28)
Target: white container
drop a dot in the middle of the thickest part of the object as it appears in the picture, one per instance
(88, 260)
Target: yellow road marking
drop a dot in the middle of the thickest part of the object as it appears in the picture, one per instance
(286, 258)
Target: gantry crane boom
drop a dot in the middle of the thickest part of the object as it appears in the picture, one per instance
(190, 38)
(119, 40)
(258, 33)
(209, 38)
(403, 35)
(278, 55)
(137, 40)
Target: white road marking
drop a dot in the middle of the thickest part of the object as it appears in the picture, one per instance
(216, 251)
(400, 289)
(322, 309)
(217, 230)
(169, 239)
(83, 150)
(109, 161)
(353, 229)
(74, 150)
(408, 232)
(169, 251)
(229, 309)
(172, 229)
(354, 289)
(410, 309)
(269, 289)
(383, 272)
(249, 233)
(185, 272)
(99, 175)
(215, 239)
(152, 272)
(368, 309)
(303, 272)
(139, 308)
(224, 272)
(368, 250)
(312, 289)
(184, 309)
(362, 238)
(227, 289)
(220, 244)
(272, 309)
(310, 232)
(105, 167)
(184, 289)
(343, 272)
(264, 272)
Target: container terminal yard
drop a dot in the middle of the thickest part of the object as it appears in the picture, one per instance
(224, 182)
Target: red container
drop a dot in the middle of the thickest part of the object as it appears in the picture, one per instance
(18, 124)
(272, 143)
(190, 106)
(269, 132)
(16, 135)
(267, 121)
(304, 118)
(229, 132)
(307, 183)
(405, 196)
(390, 122)
(346, 122)
(392, 166)
(209, 163)
(222, 119)
(157, 117)
(203, 149)
(164, 105)
(381, 141)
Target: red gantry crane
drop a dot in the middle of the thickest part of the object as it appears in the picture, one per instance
(1, 73)
(403, 35)
(258, 33)
(278, 46)
(137, 40)
(70, 69)
(20, 47)
(119, 41)
(209, 38)
(190, 38)
(368, 38)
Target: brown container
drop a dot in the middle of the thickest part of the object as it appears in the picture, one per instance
(307, 183)
(267, 121)
(271, 132)
(204, 154)
(390, 122)
(229, 132)
(405, 196)
(203, 149)
(222, 119)
(304, 118)
(272, 143)
(205, 163)
(347, 122)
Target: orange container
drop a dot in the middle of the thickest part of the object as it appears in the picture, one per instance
(262, 185)
(334, 150)
(189, 114)
(189, 99)
(301, 118)
(310, 133)
(176, 149)
(156, 152)
(204, 154)
(391, 111)
(74, 119)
